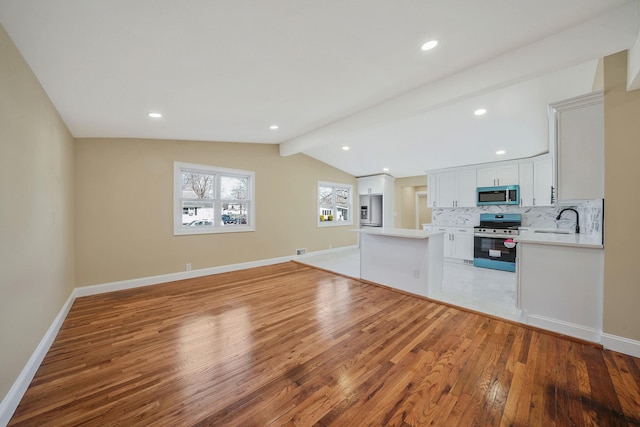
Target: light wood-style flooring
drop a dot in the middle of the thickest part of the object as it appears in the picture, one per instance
(290, 344)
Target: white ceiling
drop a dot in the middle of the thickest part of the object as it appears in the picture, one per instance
(329, 73)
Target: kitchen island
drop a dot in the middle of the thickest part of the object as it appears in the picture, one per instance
(404, 259)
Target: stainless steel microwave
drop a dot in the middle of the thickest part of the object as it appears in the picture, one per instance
(503, 195)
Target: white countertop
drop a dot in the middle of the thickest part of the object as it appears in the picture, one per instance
(570, 239)
(407, 233)
(450, 225)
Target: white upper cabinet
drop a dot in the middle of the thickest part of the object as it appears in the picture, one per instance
(543, 182)
(455, 189)
(497, 175)
(447, 183)
(432, 190)
(577, 136)
(466, 188)
(536, 182)
(525, 173)
(371, 184)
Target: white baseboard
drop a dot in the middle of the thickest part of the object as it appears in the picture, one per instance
(565, 328)
(12, 399)
(621, 344)
(19, 387)
(327, 251)
(171, 277)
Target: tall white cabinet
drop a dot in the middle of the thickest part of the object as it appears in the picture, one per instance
(577, 137)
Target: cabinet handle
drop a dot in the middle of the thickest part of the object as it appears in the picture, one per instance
(534, 201)
(552, 198)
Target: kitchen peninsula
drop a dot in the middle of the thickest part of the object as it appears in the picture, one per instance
(404, 259)
(561, 282)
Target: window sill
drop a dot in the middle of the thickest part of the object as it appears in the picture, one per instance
(213, 230)
(322, 224)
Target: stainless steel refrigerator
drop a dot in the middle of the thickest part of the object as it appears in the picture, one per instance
(371, 210)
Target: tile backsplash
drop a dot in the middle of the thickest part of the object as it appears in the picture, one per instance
(591, 216)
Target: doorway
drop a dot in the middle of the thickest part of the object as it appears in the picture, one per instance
(423, 213)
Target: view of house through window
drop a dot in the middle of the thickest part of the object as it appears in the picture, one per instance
(334, 204)
(211, 200)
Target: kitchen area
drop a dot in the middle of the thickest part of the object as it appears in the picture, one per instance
(521, 239)
(537, 222)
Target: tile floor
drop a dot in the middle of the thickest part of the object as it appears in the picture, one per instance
(488, 291)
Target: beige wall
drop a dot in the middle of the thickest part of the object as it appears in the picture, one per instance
(622, 203)
(405, 200)
(124, 208)
(36, 226)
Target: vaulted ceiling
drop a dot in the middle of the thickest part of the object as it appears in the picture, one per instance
(329, 74)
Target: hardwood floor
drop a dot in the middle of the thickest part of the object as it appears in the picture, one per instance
(293, 345)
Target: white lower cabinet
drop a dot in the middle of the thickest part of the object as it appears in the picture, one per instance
(560, 288)
(463, 243)
(458, 242)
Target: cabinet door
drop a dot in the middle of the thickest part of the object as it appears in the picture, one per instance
(542, 185)
(579, 147)
(486, 177)
(526, 183)
(371, 185)
(448, 242)
(497, 175)
(466, 189)
(447, 189)
(507, 175)
(463, 244)
(432, 190)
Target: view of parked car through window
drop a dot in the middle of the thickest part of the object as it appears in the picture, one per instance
(212, 199)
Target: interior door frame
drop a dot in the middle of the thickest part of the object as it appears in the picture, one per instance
(418, 195)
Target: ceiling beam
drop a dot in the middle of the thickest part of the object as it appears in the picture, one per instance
(609, 33)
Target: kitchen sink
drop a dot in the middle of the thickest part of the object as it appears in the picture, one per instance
(553, 231)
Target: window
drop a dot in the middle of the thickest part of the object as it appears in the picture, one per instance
(208, 199)
(334, 204)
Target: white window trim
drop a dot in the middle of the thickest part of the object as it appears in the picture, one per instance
(334, 223)
(179, 229)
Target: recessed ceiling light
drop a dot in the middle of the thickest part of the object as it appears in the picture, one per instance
(480, 112)
(500, 152)
(274, 127)
(155, 115)
(385, 169)
(429, 45)
(345, 148)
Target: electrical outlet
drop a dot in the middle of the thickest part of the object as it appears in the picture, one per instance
(188, 266)
(301, 251)
(416, 274)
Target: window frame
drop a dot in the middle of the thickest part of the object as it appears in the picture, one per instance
(217, 226)
(334, 204)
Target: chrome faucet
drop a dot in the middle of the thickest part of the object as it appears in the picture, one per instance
(577, 218)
